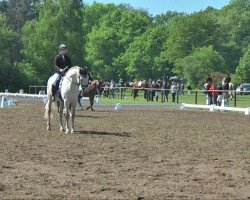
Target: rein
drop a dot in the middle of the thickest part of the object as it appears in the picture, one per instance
(77, 84)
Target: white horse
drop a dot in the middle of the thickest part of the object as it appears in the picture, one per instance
(74, 77)
(231, 92)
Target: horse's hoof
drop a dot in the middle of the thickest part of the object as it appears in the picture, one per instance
(72, 131)
(67, 132)
(61, 129)
(48, 128)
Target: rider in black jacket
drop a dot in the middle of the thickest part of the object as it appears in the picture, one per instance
(62, 64)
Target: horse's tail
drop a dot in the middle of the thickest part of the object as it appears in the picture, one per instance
(49, 107)
(46, 114)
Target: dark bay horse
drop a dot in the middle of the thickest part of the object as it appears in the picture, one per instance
(93, 89)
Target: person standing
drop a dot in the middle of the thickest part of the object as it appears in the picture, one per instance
(166, 88)
(62, 63)
(174, 90)
(225, 87)
(189, 88)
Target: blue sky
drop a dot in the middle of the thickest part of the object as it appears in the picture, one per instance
(161, 6)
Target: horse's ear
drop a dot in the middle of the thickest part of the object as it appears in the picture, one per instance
(83, 71)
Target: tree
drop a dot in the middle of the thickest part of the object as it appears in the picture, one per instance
(200, 63)
(234, 30)
(59, 22)
(8, 67)
(243, 70)
(19, 12)
(186, 33)
(110, 38)
(143, 58)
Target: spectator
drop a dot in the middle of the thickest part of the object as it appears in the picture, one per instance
(166, 87)
(209, 79)
(228, 78)
(157, 89)
(189, 88)
(112, 89)
(214, 94)
(145, 87)
(106, 89)
(241, 89)
(225, 87)
(182, 89)
(220, 95)
(174, 90)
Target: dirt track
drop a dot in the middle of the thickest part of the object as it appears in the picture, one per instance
(127, 154)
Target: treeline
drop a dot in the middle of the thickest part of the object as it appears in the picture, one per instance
(118, 41)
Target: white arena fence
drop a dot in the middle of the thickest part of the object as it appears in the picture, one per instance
(213, 108)
(5, 96)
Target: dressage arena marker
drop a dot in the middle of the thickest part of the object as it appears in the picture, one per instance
(118, 106)
(4, 102)
(213, 108)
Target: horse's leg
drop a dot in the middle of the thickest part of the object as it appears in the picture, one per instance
(60, 115)
(66, 114)
(91, 101)
(79, 101)
(73, 110)
(48, 113)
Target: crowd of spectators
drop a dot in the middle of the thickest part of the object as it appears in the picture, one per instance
(219, 93)
(153, 90)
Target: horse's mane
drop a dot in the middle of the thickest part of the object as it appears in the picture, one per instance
(72, 69)
(75, 67)
(94, 84)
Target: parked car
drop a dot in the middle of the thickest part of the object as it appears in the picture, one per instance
(245, 89)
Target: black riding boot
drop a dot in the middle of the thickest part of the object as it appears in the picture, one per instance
(53, 91)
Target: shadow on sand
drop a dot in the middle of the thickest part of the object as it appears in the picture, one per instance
(123, 134)
(87, 116)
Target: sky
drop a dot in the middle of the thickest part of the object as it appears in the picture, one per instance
(155, 7)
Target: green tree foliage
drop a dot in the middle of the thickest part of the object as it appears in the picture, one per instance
(166, 18)
(243, 70)
(93, 14)
(59, 22)
(19, 12)
(187, 33)
(111, 37)
(9, 65)
(143, 59)
(200, 63)
(234, 21)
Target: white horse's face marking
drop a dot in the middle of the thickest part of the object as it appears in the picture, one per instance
(81, 79)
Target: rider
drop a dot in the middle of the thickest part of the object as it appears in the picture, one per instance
(62, 64)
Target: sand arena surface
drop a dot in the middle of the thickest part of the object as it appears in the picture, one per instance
(126, 154)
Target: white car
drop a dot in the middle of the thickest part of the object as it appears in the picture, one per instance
(246, 89)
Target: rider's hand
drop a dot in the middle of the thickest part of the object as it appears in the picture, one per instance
(61, 70)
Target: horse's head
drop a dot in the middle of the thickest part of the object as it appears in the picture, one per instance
(83, 71)
(95, 84)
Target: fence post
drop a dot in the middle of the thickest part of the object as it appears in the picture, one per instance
(121, 92)
(177, 98)
(162, 95)
(235, 98)
(196, 97)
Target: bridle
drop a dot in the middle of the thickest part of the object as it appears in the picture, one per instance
(77, 84)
